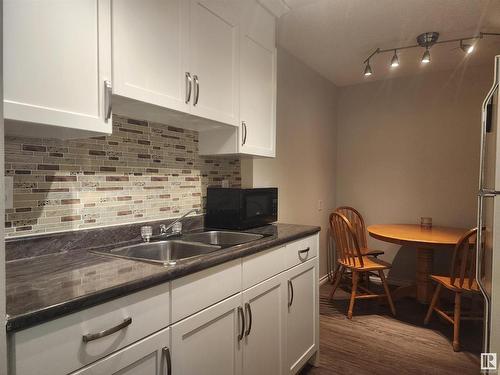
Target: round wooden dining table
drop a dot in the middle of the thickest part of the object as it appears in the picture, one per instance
(425, 241)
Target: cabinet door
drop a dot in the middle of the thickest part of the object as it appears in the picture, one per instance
(302, 316)
(257, 82)
(207, 343)
(214, 59)
(149, 51)
(57, 58)
(265, 307)
(150, 356)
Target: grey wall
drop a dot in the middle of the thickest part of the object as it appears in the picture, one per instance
(409, 147)
(304, 167)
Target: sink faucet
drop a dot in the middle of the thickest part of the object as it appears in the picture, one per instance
(175, 225)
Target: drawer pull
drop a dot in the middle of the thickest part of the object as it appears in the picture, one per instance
(248, 309)
(168, 360)
(305, 251)
(242, 320)
(94, 336)
(290, 291)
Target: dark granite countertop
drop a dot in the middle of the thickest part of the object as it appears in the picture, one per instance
(49, 286)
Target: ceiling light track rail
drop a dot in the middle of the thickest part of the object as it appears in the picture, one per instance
(425, 40)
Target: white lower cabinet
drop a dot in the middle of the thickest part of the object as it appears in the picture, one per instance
(253, 316)
(302, 316)
(244, 334)
(265, 319)
(208, 342)
(150, 356)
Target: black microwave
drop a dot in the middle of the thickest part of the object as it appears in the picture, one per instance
(235, 208)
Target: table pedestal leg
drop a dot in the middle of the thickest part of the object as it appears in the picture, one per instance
(425, 259)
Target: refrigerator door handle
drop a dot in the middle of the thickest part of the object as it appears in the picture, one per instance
(479, 261)
(484, 120)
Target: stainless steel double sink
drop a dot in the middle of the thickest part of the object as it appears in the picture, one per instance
(169, 252)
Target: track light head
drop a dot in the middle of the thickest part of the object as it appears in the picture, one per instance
(368, 69)
(426, 57)
(467, 48)
(395, 60)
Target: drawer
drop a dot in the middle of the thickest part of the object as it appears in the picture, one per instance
(302, 250)
(199, 290)
(261, 266)
(57, 347)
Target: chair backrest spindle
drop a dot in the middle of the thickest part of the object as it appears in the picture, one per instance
(346, 240)
(463, 263)
(357, 223)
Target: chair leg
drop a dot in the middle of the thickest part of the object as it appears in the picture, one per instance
(387, 292)
(355, 276)
(338, 278)
(456, 322)
(335, 273)
(434, 301)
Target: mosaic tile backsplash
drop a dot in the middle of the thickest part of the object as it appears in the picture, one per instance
(144, 171)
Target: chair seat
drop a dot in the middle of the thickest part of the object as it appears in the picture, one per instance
(371, 252)
(446, 282)
(369, 264)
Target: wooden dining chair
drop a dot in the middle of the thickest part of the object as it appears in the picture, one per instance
(351, 258)
(462, 279)
(359, 227)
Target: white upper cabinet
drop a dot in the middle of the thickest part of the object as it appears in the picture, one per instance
(149, 51)
(206, 65)
(56, 64)
(256, 131)
(214, 59)
(175, 58)
(258, 82)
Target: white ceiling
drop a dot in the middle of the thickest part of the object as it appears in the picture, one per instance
(335, 36)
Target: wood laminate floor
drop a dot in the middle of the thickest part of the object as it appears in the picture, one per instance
(374, 342)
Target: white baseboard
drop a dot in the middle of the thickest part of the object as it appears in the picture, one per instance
(323, 280)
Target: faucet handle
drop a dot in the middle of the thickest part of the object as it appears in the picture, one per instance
(177, 228)
(163, 229)
(146, 233)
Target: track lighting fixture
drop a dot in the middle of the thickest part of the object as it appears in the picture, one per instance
(395, 60)
(426, 57)
(467, 48)
(426, 40)
(368, 69)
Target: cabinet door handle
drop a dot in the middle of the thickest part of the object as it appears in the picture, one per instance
(290, 291)
(189, 84)
(242, 320)
(94, 336)
(108, 91)
(168, 360)
(244, 135)
(196, 89)
(248, 309)
(301, 252)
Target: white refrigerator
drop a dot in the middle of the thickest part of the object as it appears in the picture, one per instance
(488, 241)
